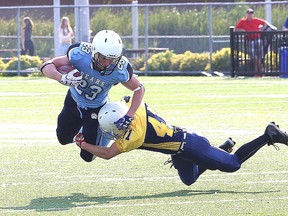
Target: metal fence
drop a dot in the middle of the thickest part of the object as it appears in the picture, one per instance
(259, 53)
(205, 36)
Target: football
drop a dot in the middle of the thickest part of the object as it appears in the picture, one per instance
(64, 69)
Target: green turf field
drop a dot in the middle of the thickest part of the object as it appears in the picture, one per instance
(38, 176)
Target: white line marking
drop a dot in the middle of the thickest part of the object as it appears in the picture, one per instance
(159, 202)
(75, 179)
(21, 94)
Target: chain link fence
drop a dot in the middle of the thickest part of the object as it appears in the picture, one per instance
(179, 27)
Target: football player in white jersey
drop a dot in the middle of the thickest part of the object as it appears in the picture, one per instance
(95, 68)
(191, 153)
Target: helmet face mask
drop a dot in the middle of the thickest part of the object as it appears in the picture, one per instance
(114, 133)
(102, 63)
(106, 48)
(108, 114)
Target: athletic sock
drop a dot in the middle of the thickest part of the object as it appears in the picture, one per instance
(249, 149)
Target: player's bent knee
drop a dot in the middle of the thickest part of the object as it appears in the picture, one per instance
(87, 160)
(188, 178)
(87, 156)
(64, 140)
(188, 182)
(233, 168)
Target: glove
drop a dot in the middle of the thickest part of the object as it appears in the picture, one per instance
(72, 78)
(78, 139)
(123, 123)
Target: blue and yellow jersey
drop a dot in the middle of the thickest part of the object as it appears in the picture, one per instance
(150, 132)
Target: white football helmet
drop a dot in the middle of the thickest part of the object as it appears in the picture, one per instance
(106, 45)
(108, 114)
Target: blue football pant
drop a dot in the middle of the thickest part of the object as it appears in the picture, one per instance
(198, 156)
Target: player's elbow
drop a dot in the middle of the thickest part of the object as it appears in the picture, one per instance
(143, 89)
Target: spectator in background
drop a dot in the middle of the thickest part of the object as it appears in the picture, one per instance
(26, 37)
(65, 34)
(254, 42)
(285, 26)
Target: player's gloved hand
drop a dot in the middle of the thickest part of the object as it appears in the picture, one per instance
(72, 78)
(124, 122)
(78, 139)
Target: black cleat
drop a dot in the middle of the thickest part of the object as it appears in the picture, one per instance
(276, 135)
(228, 145)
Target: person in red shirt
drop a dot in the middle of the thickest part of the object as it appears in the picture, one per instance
(254, 42)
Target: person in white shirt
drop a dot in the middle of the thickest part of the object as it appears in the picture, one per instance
(65, 34)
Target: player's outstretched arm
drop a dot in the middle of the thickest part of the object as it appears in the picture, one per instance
(100, 151)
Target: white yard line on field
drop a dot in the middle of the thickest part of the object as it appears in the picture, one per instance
(21, 94)
(245, 96)
(159, 202)
(25, 127)
(71, 179)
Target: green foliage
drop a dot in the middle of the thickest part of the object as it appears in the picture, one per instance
(9, 27)
(43, 27)
(2, 64)
(187, 61)
(170, 61)
(270, 59)
(26, 62)
(221, 60)
(43, 48)
(176, 61)
(161, 61)
(138, 63)
(194, 61)
(109, 18)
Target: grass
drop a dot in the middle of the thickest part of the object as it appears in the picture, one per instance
(38, 176)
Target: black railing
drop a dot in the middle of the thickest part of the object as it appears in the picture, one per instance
(263, 53)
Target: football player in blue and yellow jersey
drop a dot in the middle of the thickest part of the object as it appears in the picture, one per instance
(191, 153)
(95, 68)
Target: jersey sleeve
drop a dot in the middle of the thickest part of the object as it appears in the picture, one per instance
(129, 70)
(77, 51)
(71, 48)
(126, 67)
(133, 138)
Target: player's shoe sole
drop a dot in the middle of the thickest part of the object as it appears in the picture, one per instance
(228, 145)
(276, 135)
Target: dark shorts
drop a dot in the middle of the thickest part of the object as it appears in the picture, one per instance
(72, 119)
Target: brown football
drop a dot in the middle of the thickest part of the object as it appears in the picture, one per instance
(63, 69)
